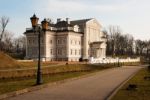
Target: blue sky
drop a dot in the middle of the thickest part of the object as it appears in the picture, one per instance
(132, 16)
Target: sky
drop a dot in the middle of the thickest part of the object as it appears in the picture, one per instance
(133, 16)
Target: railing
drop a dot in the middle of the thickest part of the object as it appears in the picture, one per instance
(112, 60)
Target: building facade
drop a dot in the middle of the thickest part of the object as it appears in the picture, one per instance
(68, 41)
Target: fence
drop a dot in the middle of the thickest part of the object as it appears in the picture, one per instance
(112, 60)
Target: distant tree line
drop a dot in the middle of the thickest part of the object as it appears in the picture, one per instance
(119, 44)
(8, 43)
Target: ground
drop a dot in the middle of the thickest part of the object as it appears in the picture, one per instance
(95, 87)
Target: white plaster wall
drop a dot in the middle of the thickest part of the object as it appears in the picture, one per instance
(92, 34)
(50, 45)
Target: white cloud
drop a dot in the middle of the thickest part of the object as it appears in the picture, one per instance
(78, 6)
(126, 13)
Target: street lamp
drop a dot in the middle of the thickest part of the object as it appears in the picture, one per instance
(118, 62)
(149, 57)
(39, 29)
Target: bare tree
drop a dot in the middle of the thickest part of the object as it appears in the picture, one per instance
(140, 45)
(8, 41)
(19, 44)
(118, 43)
(114, 32)
(3, 23)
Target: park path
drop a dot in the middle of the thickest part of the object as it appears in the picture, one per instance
(95, 87)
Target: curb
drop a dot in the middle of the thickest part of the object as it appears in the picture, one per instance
(38, 87)
(115, 90)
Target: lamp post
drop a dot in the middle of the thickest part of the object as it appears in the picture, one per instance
(118, 62)
(149, 57)
(39, 29)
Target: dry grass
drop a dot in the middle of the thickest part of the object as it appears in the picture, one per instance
(143, 88)
(7, 62)
(51, 70)
(9, 85)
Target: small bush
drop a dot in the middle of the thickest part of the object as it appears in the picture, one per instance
(132, 87)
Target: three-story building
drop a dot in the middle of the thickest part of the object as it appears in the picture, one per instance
(68, 41)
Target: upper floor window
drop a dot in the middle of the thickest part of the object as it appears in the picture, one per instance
(79, 43)
(75, 42)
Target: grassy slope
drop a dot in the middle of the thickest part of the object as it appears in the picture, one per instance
(7, 62)
(143, 88)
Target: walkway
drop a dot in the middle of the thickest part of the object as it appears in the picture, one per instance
(95, 87)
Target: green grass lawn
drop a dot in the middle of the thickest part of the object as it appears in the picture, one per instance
(143, 88)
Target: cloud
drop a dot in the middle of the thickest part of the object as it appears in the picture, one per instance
(84, 6)
(131, 15)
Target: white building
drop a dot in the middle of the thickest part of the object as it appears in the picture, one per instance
(68, 41)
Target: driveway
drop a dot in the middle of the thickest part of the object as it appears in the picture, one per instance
(95, 87)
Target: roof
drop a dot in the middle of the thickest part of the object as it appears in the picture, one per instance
(65, 24)
(79, 22)
(62, 24)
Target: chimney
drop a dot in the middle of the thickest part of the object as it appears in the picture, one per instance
(58, 20)
(67, 20)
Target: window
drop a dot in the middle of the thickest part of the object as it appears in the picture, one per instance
(58, 51)
(58, 41)
(29, 41)
(71, 52)
(75, 42)
(51, 51)
(51, 41)
(64, 41)
(75, 52)
(63, 51)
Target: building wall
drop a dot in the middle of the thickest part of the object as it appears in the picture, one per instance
(67, 45)
(61, 47)
(50, 39)
(92, 33)
(32, 46)
(74, 46)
